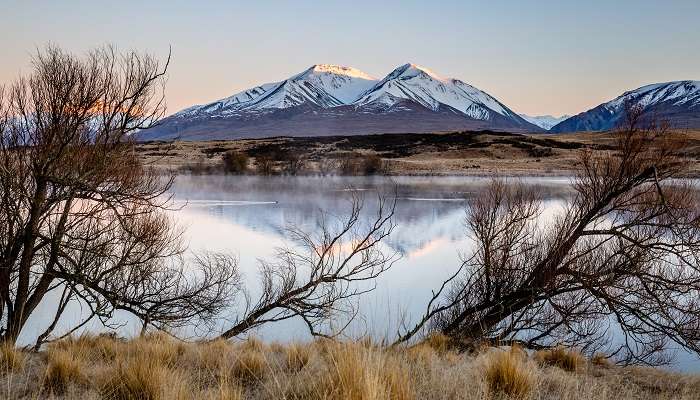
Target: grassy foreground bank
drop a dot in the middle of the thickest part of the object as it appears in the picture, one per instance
(158, 367)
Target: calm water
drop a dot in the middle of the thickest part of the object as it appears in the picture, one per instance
(248, 217)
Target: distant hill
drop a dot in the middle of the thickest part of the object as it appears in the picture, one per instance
(544, 121)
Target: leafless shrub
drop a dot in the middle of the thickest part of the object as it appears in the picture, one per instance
(265, 165)
(327, 166)
(293, 164)
(357, 164)
(318, 282)
(234, 162)
(79, 214)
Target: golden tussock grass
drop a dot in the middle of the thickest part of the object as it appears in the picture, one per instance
(297, 356)
(249, 366)
(348, 371)
(357, 373)
(601, 360)
(566, 359)
(158, 367)
(139, 378)
(63, 368)
(11, 359)
(508, 372)
(439, 342)
(212, 356)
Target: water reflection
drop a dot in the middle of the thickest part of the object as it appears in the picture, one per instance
(249, 217)
(428, 209)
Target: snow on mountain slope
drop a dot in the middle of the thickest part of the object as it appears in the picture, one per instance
(676, 102)
(322, 85)
(544, 121)
(328, 86)
(336, 100)
(675, 93)
(419, 84)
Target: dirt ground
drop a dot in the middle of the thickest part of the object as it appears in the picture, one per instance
(457, 153)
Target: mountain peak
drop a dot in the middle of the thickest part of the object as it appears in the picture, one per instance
(418, 84)
(339, 70)
(411, 70)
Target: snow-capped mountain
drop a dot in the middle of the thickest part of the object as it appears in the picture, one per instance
(322, 85)
(676, 102)
(335, 100)
(423, 86)
(544, 121)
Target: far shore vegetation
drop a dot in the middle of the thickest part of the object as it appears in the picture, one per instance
(477, 153)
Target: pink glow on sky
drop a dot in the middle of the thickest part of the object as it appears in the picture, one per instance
(544, 57)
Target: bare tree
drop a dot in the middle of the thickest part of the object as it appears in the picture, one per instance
(318, 279)
(79, 213)
(616, 270)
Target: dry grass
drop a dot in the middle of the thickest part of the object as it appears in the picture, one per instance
(601, 360)
(159, 368)
(357, 372)
(297, 356)
(568, 360)
(63, 368)
(11, 359)
(138, 378)
(249, 366)
(439, 342)
(507, 372)
(224, 390)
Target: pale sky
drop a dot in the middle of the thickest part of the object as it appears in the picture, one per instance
(537, 57)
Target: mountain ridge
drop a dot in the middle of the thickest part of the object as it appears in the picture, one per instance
(678, 102)
(328, 99)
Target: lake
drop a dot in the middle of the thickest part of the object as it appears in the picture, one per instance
(249, 216)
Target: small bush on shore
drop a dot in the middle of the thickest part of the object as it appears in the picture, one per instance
(508, 373)
(357, 164)
(264, 165)
(568, 360)
(234, 162)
